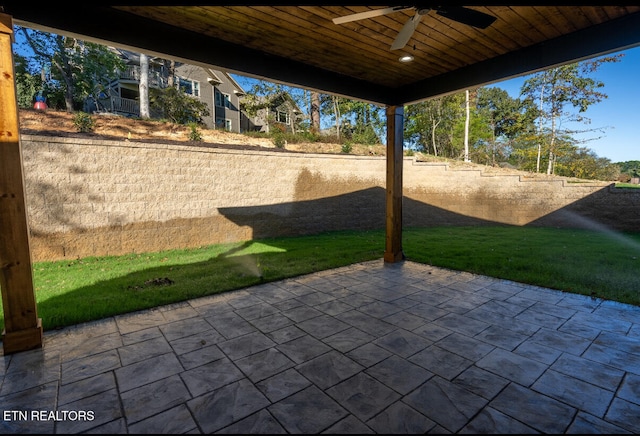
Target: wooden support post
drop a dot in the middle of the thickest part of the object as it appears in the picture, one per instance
(23, 328)
(395, 137)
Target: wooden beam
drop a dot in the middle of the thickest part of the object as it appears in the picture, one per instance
(23, 328)
(395, 126)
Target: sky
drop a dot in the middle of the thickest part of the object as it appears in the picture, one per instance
(620, 142)
(617, 115)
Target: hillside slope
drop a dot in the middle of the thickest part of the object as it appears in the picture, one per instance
(60, 123)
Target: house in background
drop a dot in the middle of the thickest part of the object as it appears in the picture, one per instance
(216, 88)
(279, 111)
(121, 95)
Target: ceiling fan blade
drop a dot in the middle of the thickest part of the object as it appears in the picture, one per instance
(407, 31)
(369, 14)
(466, 16)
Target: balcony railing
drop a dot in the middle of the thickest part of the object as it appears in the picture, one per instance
(122, 106)
(119, 105)
(132, 72)
(125, 105)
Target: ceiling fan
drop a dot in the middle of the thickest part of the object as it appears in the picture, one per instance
(456, 13)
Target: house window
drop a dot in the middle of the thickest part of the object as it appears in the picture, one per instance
(222, 99)
(190, 87)
(283, 117)
(222, 123)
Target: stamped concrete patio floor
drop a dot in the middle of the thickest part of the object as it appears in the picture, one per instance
(368, 348)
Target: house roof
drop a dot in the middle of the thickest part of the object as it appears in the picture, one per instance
(239, 91)
(281, 98)
(272, 101)
(213, 76)
(302, 45)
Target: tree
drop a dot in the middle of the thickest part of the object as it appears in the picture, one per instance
(78, 68)
(583, 163)
(170, 65)
(143, 86)
(260, 96)
(354, 121)
(364, 121)
(557, 88)
(28, 82)
(332, 106)
(177, 106)
(430, 124)
(314, 112)
(509, 121)
(466, 125)
(629, 169)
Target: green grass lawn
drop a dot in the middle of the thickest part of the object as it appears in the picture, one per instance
(605, 265)
(598, 264)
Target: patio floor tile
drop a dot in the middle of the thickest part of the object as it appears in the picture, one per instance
(368, 348)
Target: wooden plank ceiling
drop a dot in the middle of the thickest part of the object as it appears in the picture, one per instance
(302, 46)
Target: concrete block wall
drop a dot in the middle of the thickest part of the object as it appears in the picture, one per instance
(476, 197)
(90, 197)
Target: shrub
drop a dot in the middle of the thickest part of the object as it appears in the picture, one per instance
(279, 139)
(281, 136)
(255, 134)
(177, 106)
(347, 147)
(84, 122)
(367, 136)
(308, 137)
(333, 138)
(194, 132)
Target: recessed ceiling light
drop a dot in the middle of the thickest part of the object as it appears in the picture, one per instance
(406, 58)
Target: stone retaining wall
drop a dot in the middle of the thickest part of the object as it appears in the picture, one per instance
(93, 197)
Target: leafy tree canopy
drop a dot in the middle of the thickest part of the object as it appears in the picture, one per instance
(177, 106)
(630, 167)
(71, 69)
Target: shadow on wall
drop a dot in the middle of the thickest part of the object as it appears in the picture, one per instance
(533, 204)
(360, 210)
(604, 210)
(349, 196)
(357, 210)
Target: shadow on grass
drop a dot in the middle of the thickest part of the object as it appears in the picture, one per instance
(595, 263)
(141, 286)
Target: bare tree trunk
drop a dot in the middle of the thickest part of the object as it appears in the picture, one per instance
(292, 120)
(540, 131)
(552, 145)
(64, 67)
(68, 94)
(315, 112)
(336, 109)
(434, 124)
(144, 86)
(171, 72)
(466, 128)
